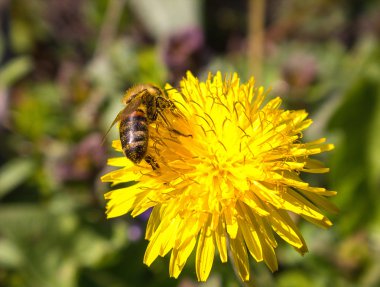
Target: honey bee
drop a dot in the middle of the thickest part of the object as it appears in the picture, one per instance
(143, 104)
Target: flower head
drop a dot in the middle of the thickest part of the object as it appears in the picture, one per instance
(228, 187)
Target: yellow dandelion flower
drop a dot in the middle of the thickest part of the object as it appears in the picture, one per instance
(227, 188)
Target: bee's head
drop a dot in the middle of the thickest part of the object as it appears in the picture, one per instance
(154, 90)
(136, 90)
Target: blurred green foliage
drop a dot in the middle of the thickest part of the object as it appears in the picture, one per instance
(64, 65)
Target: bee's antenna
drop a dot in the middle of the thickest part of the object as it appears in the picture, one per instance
(172, 88)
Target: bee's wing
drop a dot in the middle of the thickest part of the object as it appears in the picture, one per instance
(117, 119)
(132, 106)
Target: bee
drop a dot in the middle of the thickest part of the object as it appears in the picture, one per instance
(143, 104)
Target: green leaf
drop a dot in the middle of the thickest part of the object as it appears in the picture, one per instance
(356, 166)
(13, 173)
(374, 144)
(10, 255)
(294, 278)
(14, 70)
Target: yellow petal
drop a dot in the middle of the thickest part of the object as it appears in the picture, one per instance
(231, 222)
(161, 241)
(188, 230)
(249, 229)
(120, 161)
(179, 257)
(321, 202)
(221, 241)
(121, 201)
(121, 175)
(205, 254)
(283, 227)
(240, 256)
(153, 223)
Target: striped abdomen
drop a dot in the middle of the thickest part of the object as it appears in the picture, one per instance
(134, 136)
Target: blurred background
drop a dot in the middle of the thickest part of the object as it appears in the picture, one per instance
(64, 65)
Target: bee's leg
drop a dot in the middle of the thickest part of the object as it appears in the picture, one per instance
(179, 133)
(151, 112)
(153, 163)
(163, 103)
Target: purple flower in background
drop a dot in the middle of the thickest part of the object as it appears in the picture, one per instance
(185, 51)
